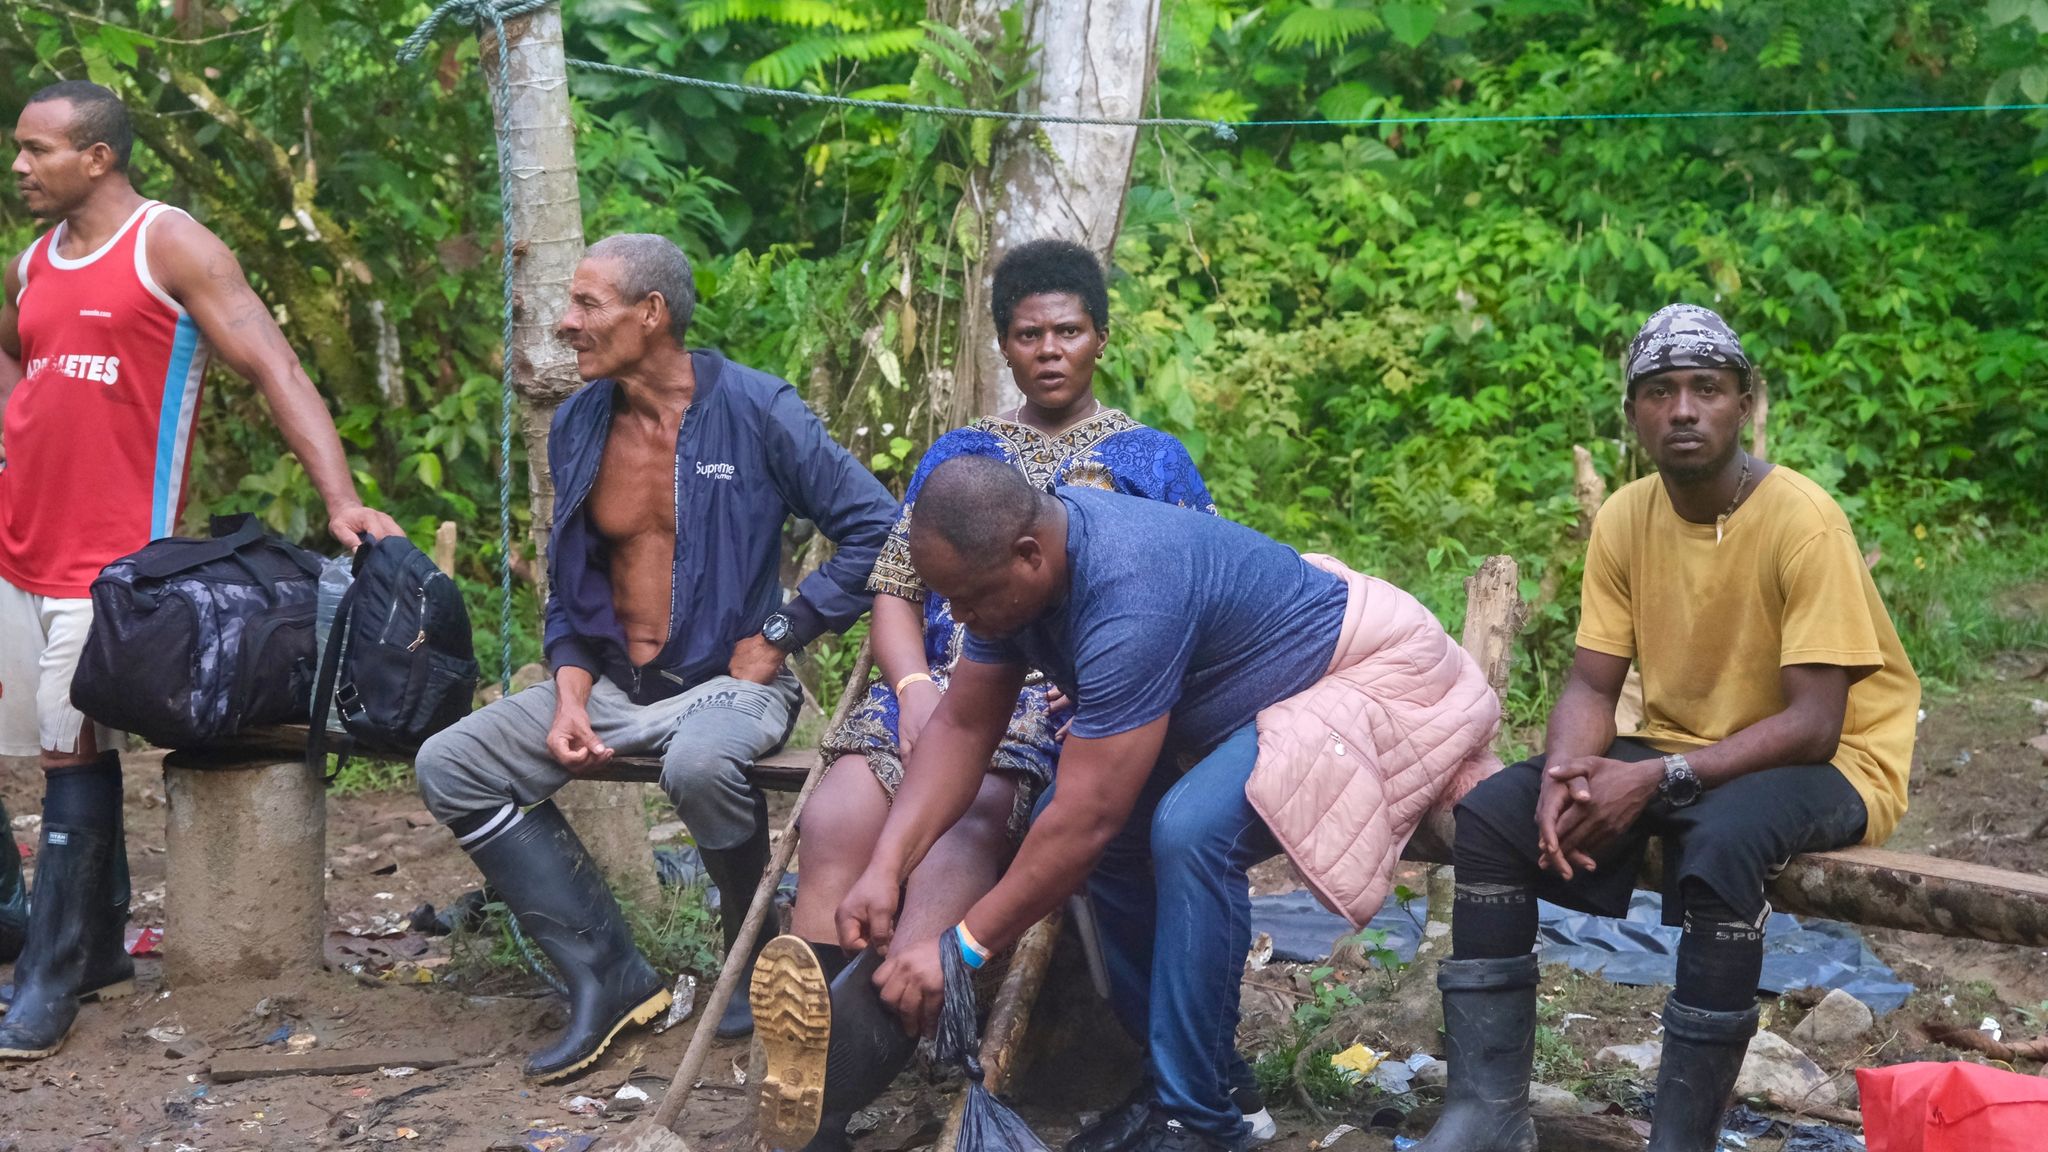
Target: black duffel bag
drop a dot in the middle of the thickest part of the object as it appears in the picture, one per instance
(399, 664)
(194, 641)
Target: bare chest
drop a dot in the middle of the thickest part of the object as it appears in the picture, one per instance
(633, 500)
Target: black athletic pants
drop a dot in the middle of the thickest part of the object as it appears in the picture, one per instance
(1718, 854)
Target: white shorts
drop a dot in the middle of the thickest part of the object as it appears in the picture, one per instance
(40, 641)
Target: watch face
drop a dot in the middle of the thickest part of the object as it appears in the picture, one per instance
(776, 630)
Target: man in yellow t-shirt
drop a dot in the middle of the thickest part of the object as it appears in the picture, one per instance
(1779, 713)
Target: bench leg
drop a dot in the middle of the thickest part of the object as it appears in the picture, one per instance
(610, 818)
(245, 894)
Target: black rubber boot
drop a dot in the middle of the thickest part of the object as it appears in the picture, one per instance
(867, 1050)
(109, 970)
(736, 872)
(72, 871)
(1703, 1054)
(551, 884)
(1490, 1044)
(1120, 1127)
(13, 893)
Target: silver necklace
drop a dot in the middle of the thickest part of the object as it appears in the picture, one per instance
(1721, 521)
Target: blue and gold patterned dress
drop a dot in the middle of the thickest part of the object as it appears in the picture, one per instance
(1108, 450)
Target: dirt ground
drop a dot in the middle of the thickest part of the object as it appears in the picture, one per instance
(134, 1073)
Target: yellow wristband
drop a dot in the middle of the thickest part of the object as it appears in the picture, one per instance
(913, 678)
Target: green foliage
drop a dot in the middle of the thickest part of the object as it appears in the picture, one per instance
(1378, 341)
(1384, 344)
(362, 776)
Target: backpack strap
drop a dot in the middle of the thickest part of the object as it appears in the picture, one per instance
(323, 692)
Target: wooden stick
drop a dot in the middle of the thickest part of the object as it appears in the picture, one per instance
(1009, 1017)
(233, 1066)
(1971, 1040)
(679, 1089)
(1588, 488)
(444, 547)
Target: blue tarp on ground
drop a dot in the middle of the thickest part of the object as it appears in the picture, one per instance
(1639, 950)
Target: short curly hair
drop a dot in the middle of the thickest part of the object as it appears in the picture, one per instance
(1043, 266)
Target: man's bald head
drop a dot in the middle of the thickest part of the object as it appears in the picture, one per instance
(984, 538)
(978, 506)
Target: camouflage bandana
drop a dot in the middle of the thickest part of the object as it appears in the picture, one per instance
(1684, 336)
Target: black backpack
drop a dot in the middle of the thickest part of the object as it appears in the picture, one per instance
(195, 640)
(399, 664)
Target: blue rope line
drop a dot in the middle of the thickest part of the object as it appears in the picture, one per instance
(495, 13)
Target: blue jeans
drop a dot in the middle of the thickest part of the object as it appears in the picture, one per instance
(1175, 910)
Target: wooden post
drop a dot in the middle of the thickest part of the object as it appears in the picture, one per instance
(1759, 416)
(1494, 615)
(1591, 492)
(444, 547)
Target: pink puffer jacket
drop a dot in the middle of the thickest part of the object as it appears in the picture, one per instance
(1402, 723)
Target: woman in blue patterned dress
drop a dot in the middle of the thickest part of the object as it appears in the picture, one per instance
(1052, 310)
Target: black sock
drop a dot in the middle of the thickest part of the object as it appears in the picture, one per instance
(1720, 955)
(1494, 917)
(86, 796)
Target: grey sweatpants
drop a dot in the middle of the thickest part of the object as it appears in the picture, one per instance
(705, 738)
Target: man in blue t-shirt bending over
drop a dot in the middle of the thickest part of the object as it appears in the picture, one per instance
(1169, 631)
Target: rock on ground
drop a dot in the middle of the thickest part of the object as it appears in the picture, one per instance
(1774, 1067)
(1646, 1057)
(1549, 1100)
(1837, 1019)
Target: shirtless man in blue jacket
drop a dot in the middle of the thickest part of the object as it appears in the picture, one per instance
(666, 628)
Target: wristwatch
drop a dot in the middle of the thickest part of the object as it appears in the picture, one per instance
(781, 632)
(1681, 784)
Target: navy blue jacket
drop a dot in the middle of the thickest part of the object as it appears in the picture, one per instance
(749, 455)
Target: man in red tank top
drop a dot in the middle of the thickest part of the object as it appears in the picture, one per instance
(105, 331)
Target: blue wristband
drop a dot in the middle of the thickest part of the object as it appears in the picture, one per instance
(971, 952)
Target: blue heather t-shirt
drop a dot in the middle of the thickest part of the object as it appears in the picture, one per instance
(1169, 610)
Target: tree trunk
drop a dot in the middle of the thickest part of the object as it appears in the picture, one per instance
(546, 235)
(1093, 58)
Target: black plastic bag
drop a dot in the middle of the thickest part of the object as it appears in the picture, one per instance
(987, 1124)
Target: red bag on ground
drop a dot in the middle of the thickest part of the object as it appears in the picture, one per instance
(1952, 1108)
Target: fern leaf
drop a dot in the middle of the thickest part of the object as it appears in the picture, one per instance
(811, 55)
(704, 15)
(1324, 29)
(1783, 50)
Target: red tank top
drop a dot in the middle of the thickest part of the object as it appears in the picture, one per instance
(96, 432)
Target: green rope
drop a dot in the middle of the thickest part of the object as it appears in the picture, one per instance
(1597, 117)
(1226, 129)
(481, 12)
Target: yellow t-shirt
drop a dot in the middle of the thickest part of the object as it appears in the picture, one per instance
(1709, 625)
